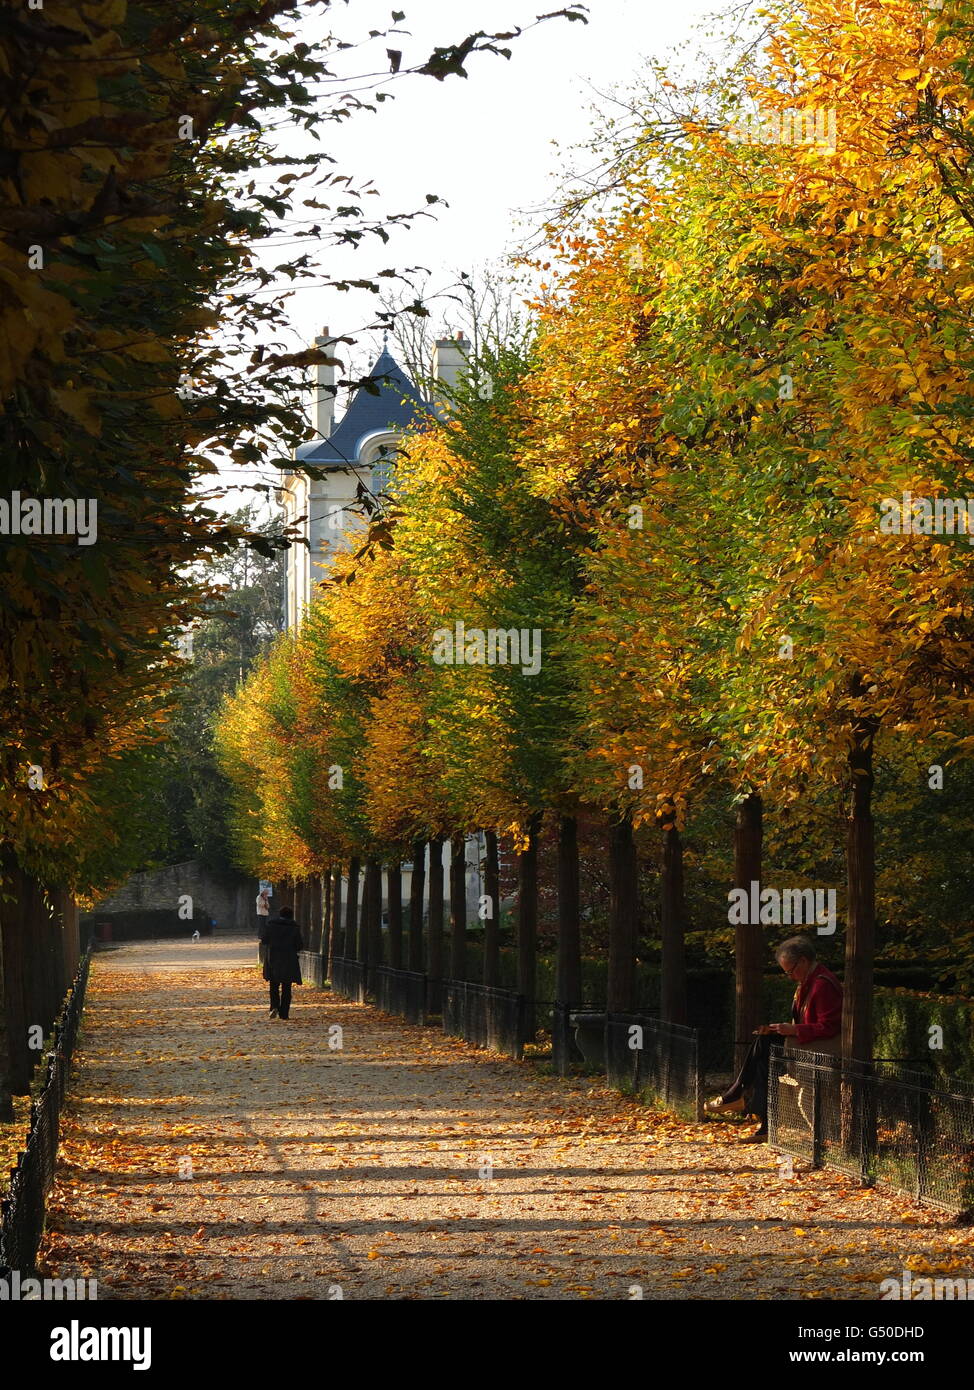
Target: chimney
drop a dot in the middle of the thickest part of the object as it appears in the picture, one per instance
(325, 400)
(450, 358)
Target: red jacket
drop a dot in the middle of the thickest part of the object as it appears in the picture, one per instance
(817, 1006)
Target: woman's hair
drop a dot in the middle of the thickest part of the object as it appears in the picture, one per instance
(796, 948)
(286, 912)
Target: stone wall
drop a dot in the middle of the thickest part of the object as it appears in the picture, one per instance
(182, 889)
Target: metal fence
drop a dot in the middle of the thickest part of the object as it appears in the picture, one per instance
(655, 1060)
(312, 968)
(485, 1016)
(401, 992)
(22, 1211)
(434, 997)
(348, 978)
(886, 1124)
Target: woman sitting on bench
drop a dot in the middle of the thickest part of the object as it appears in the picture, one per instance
(816, 1025)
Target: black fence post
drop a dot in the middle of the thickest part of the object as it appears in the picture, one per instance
(868, 1122)
(817, 1136)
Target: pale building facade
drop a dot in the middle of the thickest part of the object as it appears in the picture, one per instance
(360, 450)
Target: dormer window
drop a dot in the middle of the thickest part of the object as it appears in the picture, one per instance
(383, 465)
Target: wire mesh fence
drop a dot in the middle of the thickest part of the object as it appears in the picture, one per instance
(22, 1211)
(401, 992)
(485, 1016)
(883, 1122)
(655, 1060)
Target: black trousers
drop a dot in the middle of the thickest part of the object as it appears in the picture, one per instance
(281, 997)
(752, 1079)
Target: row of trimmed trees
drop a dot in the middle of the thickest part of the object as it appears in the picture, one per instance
(129, 229)
(673, 499)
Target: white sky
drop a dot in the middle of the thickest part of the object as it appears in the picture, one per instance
(493, 146)
(488, 144)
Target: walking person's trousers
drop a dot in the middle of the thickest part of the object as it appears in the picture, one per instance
(281, 997)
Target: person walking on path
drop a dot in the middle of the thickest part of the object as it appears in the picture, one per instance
(281, 937)
(816, 1025)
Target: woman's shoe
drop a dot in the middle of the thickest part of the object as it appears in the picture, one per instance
(719, 1106)
(760, 1136)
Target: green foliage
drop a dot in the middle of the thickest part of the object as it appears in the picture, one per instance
(139, 177)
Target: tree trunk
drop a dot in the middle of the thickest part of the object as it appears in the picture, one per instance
(857, 1095)
(373, 897)
(458, 907)
(673, 973)
(621, 985)
(362, 953)
(20, 1062)
(332, 930)
(857, 1010)
(434, 961)
(338, 908)
(527, 925)
(748, 941)
(417, 892)
(59, 943)
(363, 915)
(568, 984)
(34, 922)
(6, 1097)
(51, 990)
(72, 938)
(315, 892)
(394, 888)
(492, 926)
(324, 898)
(351, 910)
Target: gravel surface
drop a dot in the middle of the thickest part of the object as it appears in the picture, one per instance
(210, 1152)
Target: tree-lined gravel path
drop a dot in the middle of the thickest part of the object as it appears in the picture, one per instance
(408, 1165)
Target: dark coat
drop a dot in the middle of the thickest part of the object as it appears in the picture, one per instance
(282, 937)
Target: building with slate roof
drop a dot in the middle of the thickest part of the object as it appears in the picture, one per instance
(359, 450)
(362, 449)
